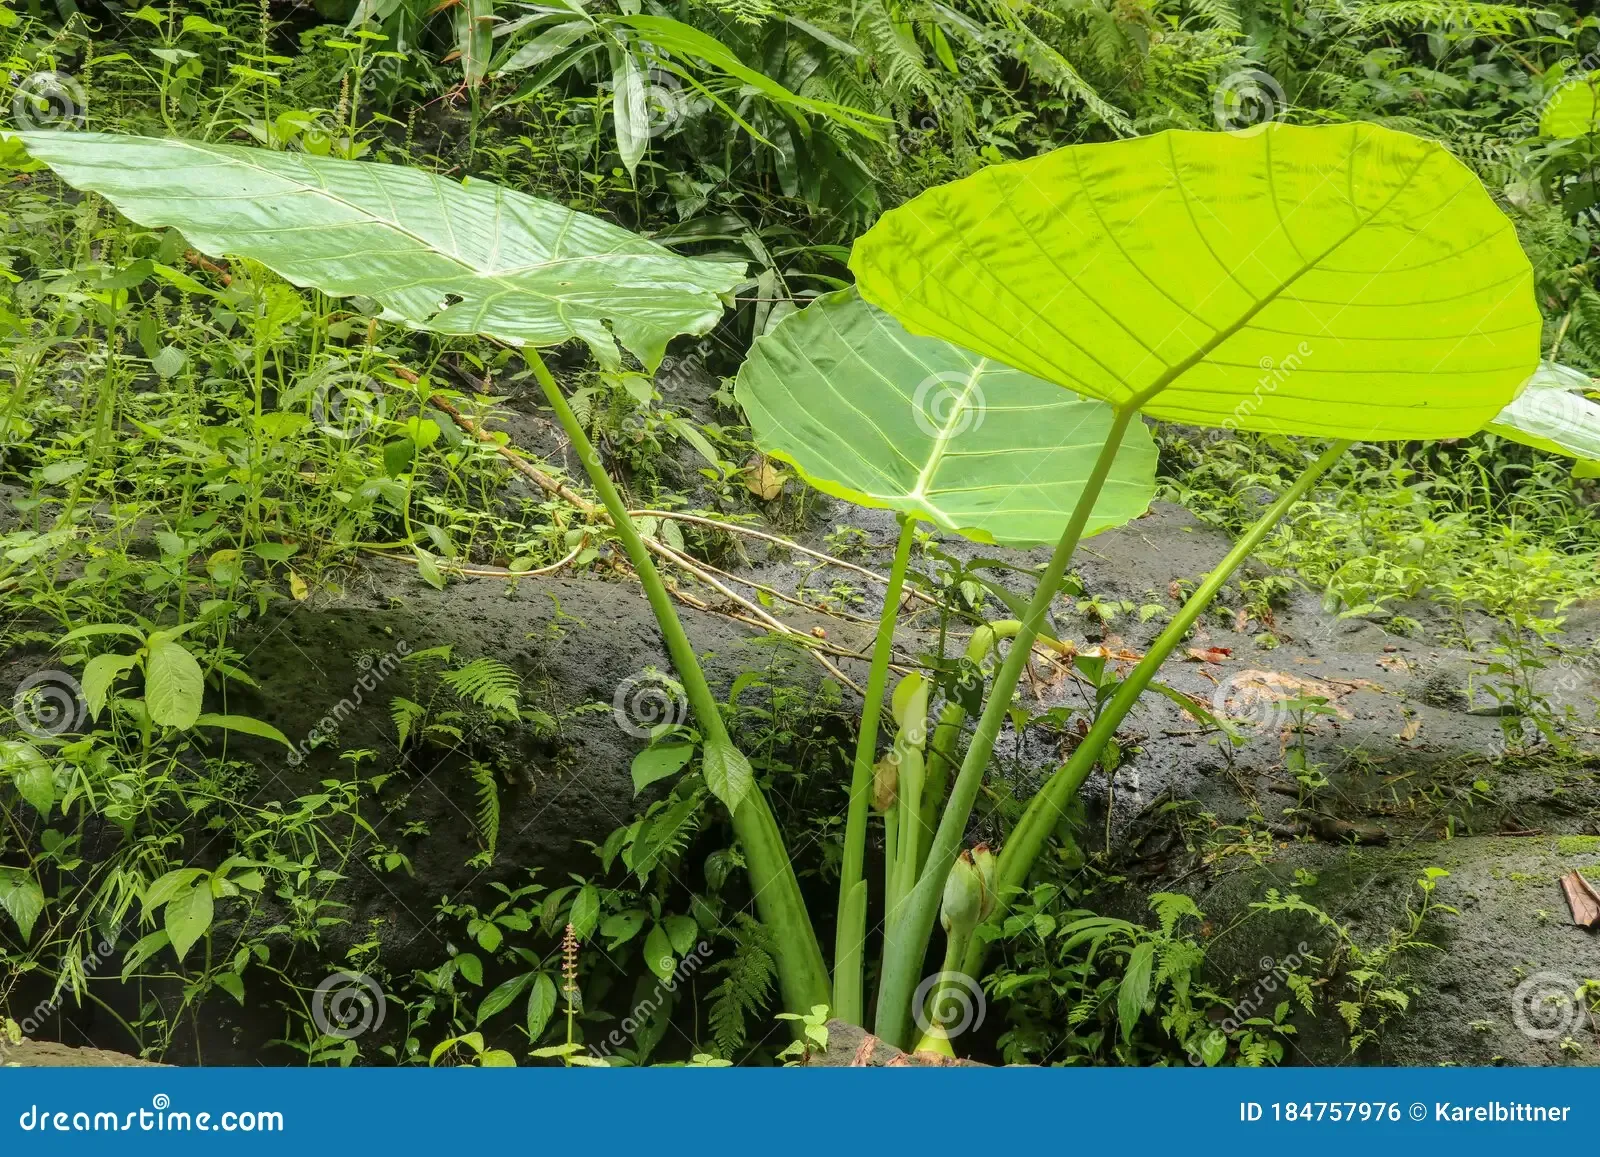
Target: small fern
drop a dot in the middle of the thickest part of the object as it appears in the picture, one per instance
(488, 817)
(746, 987)
(406, 715)
(487, 682)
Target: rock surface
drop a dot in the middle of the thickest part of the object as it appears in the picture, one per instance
(48, 1054)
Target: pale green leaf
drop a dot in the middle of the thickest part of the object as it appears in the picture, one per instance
(173, 685)
(1134, 991)
(99, 676)
(541, 1003)
(245, 725)
(654, 763)
(187, 916)
(435, 253)
(658, 956)
(168, 887)
(585, 913)
(880, 417)
(1341, 280)
(500, 998)
(31, 773)
(1553, 415)
(728, 773)
(628, 111)
(21, 898)
(682, 931)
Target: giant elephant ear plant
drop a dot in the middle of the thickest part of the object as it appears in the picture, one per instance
(1349, 282)
(1344, 282)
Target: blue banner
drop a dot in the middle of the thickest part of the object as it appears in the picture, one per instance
(665, 1111)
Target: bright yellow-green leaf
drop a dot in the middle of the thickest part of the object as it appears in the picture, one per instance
(1573, 110)
(1348, 281)
(880, 417)
(1552, 414)
(435, 253)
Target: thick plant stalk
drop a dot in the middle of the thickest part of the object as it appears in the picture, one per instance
(849, 952)
(1027, 839)
(801, 971)
(942, 747)
(908, 929)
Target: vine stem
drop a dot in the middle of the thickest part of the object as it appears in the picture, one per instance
(910, 926)
(1027, 839)
(849, 952)
(801, 971)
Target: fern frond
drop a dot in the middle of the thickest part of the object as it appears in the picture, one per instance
(1494, 19)
(896, 56)
(667, 833)
(429, 655)
(746, 988)
(406, 715)
(1220, 14)
(488, 683)
(488, 818)
(1054, 69)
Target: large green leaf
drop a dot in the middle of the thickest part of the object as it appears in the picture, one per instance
(435, 253)
(1553, 415)
(1573, 110)
(880, 417)
(1348, 281)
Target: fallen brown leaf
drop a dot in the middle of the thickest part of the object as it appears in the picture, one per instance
(1582, 899)
(764, 479)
